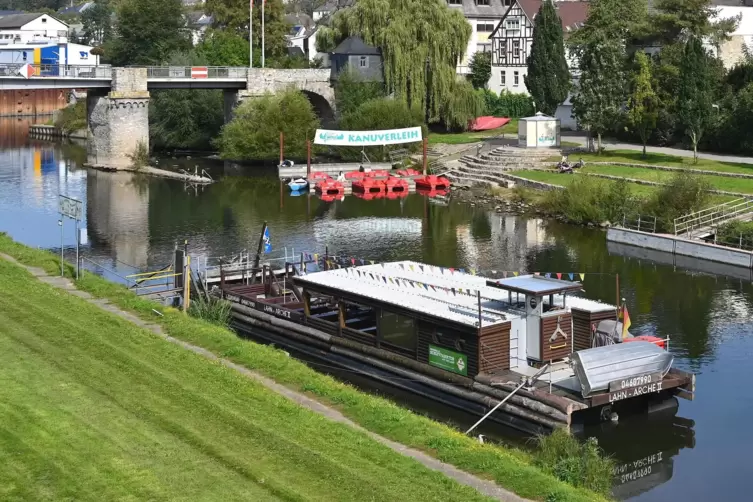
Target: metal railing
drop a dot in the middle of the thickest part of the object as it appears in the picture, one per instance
(212, 72)
(58, 71)
(712, 216)
(640, 223)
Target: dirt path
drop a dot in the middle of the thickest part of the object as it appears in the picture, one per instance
(485, 487)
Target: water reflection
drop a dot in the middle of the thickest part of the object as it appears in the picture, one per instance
(136, 222)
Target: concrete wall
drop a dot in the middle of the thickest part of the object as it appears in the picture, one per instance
(683, 247)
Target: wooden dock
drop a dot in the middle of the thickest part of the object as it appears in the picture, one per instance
(301, 170)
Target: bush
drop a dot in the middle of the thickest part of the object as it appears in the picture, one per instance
(591, 200)
(140, 156)
(351, 91)
(684, 194)
(581, 464)
(214, 310)
(72, 118)
(254, 132)
(508, 104)
(481, 69)
(377, 114)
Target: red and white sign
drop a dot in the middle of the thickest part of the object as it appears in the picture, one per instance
(199, 72)
(26, 71)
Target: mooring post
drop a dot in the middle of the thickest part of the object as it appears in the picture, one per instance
(308, 158)
(426, 155)
(617, 288)
(187, 284)
(282, 147)
(77, 240)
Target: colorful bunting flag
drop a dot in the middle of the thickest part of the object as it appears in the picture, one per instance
(536, 273)
(559, 275)
(582, 276)
(570, 275)
(515, 274)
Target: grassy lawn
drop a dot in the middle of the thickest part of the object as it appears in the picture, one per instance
(131, 416)
(94, 408)
(742, 185)
(471, 136)
(660, 159)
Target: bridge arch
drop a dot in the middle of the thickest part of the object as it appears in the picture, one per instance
(322, 107)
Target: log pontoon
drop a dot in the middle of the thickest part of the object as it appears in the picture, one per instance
(460, 339)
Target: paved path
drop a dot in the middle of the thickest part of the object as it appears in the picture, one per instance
(615, 145)
(488, 488)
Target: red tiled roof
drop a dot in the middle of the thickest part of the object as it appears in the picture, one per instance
(571, 13)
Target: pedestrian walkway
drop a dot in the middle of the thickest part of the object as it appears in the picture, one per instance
(487, 488)
(678, 152)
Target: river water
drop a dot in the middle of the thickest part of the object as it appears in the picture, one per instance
(701, 452)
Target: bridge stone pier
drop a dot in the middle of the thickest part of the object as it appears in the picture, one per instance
(118, 120)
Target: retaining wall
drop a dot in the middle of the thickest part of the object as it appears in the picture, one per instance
(682, 247)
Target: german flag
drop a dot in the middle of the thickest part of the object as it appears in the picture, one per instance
(625, 321)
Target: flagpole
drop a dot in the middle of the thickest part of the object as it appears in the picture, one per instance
(250, 33)
(263, 2)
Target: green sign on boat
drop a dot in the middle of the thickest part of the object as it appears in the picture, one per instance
(448, 360)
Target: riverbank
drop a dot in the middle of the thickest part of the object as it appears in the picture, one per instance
(509, 468)
(159, 421)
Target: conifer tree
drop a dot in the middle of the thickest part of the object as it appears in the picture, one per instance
(695, 93)
(548, 79)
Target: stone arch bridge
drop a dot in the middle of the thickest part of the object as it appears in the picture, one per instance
(118, 98)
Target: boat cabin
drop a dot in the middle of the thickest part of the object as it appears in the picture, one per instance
(456, 322)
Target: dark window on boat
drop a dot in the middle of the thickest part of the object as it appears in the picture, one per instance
(398, 331)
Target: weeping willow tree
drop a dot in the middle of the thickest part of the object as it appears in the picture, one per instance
(421, 43)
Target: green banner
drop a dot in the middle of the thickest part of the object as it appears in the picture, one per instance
(448, 360)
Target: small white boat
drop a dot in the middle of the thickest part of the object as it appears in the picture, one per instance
(298, 184)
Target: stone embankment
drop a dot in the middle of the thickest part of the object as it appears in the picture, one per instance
(494, 168)
(51, 132)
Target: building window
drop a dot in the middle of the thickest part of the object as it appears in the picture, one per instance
(507, 3)
(455, 2)
(482, 2)
(513, 24)
(485, 27)
(515, 79)
(503, 78)
(398, 331)
(363, 62)
(484, 47)
(516, 48)
(44, 19)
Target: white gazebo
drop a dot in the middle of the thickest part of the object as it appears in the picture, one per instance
(539, 131)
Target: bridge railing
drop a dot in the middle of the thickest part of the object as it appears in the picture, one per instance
(197, 72)
(713, 216)
(58, 71)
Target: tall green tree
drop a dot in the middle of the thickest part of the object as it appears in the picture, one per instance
(232, 16)
(695, 93)
(623, 21)
(548, 79)
(421, 43)
(97, 22)
(600, 93)
(149, 32)
(481, 69)
(643, 103)
(673, 20)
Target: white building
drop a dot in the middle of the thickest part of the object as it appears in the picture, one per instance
(731, 51)
(511, 46)
(483, 16)
(198, 23)
(32, 29)
(302, 36)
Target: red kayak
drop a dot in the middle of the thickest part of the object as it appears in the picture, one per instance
(487, 123)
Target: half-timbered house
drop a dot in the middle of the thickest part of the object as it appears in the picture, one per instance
(511, 45)
(483, 16)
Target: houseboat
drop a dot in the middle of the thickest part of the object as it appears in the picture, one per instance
(464, 340)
